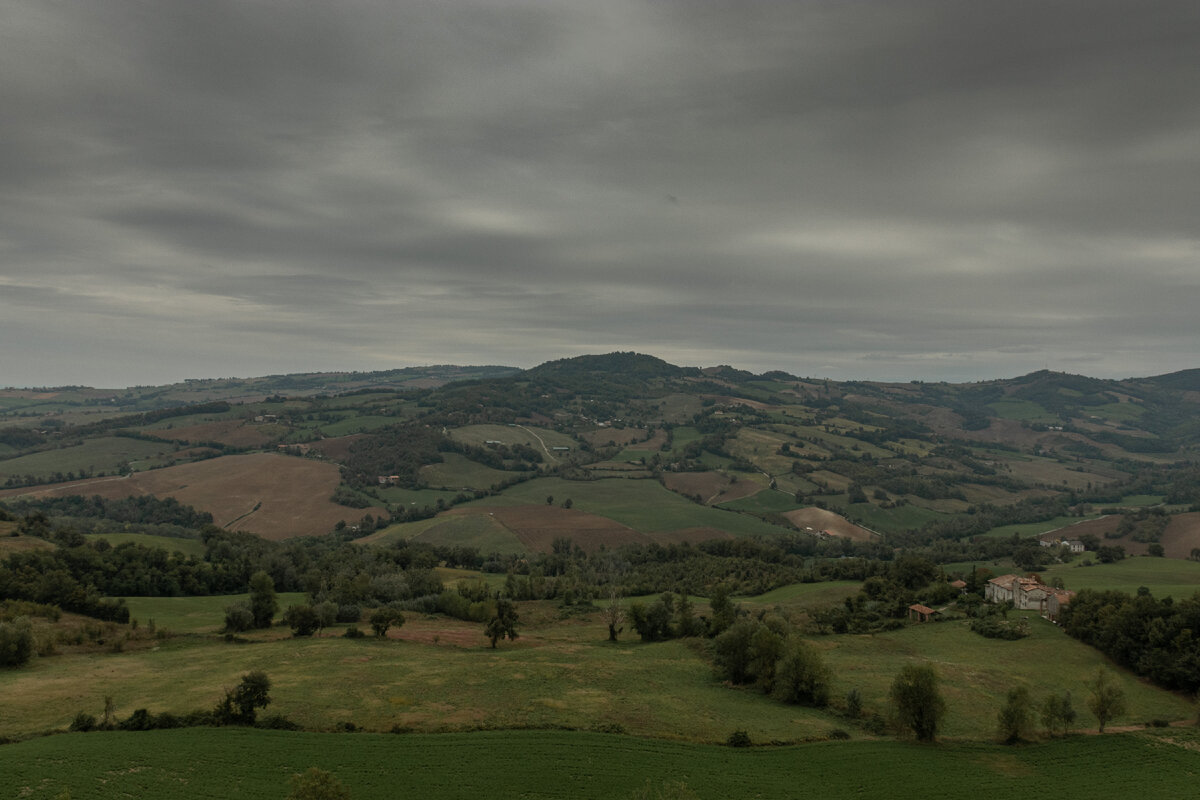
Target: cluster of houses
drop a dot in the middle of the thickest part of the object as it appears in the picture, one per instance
(1027, 594)
(1074, 545)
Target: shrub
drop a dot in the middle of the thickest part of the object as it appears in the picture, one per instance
(83, 722)
(353, 632)
(738, 738)
(16, 642)
(238, 618)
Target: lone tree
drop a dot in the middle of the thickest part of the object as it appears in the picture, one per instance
(384, 618)
(614, 615)
(1058, 713)
(240, 706)
(317, 784)
(302, 619)
(1012, 722)
(263, 603)
(917, 703)
(504, 622)
(1107, 698)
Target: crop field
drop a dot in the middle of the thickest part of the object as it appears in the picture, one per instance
(172, 544)
(272, 495)
(100, 455)
(250, 764)
(643, 505)
(1162, 576)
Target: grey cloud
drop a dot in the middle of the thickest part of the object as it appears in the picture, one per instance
(917, 189)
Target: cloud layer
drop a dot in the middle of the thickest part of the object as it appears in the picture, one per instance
(936, 190)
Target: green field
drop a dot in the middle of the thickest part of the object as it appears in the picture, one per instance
(977, 672)
(436, 675)
(100, 455)
(257, 765)
(458, 472)
(1025, 410)
(194, 614)
(512, 434)
(643, 505)
(1164, 577)
(1028, 530)
(478, 530)
(768, 501)
(172, 544)
(873, 517)
(805, 595)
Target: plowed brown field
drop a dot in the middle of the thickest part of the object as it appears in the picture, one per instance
(274, 496)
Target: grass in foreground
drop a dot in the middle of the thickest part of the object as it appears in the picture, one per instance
(251, 764)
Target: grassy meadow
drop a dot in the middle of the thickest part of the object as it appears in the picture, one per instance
(1164, 577)
(437, 675)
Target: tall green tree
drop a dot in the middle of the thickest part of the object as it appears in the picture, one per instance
(1014, 717)
(801, 675)
(1106, 698)
(504, 622)
(263, 602)
(917, 702)
(240, 705)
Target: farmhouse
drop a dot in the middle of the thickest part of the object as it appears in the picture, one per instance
(1074, 545)
(1027, 594)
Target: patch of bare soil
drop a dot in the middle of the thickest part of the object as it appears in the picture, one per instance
(819, 519)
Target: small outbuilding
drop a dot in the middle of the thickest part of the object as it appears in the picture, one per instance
(920, 613)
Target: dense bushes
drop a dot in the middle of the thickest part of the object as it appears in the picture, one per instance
(1154, 638)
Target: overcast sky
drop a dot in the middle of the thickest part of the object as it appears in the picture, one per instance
(876, 190)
